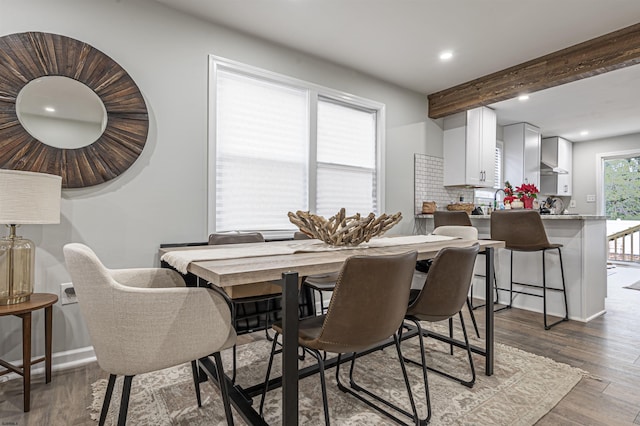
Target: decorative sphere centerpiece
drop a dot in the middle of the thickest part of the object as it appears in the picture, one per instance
(340, 230)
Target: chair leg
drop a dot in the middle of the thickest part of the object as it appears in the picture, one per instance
(473, 317)
(406, 379)
(124, 401)
(544, 292)
(358, 388)
(564, 289)
(423, 358)
(495, 288)
(466, 341)
(223, 388)
(266, 381)
(107, 399)
(235, 361)
(196, 381)
(467, 383)
(451, 335)
(323, 383)
(511, 280)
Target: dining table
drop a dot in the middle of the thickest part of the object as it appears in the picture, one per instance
(285, 262)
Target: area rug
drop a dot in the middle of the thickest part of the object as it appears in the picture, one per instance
(522, 390)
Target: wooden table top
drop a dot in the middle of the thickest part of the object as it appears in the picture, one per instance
(35, 302)
(237, 271)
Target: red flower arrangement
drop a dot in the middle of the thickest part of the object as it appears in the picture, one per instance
(508, 193)
(527, 190)
(525, 193)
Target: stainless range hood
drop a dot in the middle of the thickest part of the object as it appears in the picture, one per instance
(551, 169)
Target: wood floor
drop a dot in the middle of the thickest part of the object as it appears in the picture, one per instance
(607, 347)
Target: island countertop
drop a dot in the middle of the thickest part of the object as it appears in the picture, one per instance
(584, 253)
(570, 216)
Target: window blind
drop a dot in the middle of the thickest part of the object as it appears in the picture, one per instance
(278, 144)
(262, 158)
(498, 167)
(346, 159)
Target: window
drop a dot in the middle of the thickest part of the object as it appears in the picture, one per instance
(485, 197)
(277, 144)
(346, 159)
(498, 165)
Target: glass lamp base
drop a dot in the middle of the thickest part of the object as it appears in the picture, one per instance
(17, 261)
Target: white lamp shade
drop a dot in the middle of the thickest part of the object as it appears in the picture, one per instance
(29, 197)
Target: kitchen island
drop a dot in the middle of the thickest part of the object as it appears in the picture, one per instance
(585, 264)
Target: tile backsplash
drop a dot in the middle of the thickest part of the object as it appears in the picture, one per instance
(429, 184)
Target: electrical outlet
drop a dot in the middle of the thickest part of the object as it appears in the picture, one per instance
(572, 204)
(67, 294)
(591, 198)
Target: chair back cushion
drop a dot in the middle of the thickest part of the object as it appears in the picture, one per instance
(368, 304)
(519, 229)
(444, 218)
(245, 290)
(96, 295)
(236, 238)
(447, 286)
(464, 232)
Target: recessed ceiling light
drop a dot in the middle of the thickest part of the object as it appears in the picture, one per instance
(584, 133)
(50, 109)
(446, 55)
(523, 97)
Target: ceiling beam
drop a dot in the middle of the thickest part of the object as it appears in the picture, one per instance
(609, 52)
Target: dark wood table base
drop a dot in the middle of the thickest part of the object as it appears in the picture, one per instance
(24, 310)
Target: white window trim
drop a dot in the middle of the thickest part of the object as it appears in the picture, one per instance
(315, 92)
(600, 159)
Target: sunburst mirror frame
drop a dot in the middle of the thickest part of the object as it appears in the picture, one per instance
(31, 55)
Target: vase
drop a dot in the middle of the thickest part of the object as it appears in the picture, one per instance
(528, 202)
(517, 204)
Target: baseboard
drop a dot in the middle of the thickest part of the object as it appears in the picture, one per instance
(60, 361)
(596, 315)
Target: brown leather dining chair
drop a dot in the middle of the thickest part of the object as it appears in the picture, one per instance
(320, 282)
(243, 300)
(442, 297)
(450, 218)
(523, 231)
(466, 233)
(458, 218)
(367, 308)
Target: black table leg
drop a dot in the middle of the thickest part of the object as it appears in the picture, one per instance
(290, 348)
(489, 336)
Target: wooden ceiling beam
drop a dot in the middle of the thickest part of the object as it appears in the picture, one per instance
(609, 52)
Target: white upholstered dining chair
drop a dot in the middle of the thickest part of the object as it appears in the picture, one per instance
(143, 320)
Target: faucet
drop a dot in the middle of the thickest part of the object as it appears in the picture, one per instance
(495, 198)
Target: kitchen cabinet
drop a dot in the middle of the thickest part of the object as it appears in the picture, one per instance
(522, 154)
(556, 166)
(470, 148)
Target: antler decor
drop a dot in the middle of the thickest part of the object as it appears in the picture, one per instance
(340, 230)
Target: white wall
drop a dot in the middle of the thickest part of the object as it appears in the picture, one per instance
(585, 167)
(162, 197)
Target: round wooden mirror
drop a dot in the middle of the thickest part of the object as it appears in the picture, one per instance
(27, 58)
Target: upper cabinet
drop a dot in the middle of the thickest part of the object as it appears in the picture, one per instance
(470, 148)
(555, 166)
(522, 154)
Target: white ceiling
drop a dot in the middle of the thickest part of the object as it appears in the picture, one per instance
(400, 40)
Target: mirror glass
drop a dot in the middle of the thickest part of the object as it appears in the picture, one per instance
(61, 112)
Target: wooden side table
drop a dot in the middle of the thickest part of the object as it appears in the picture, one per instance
(24, 310)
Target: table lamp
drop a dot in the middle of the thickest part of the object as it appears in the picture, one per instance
(25, 198)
